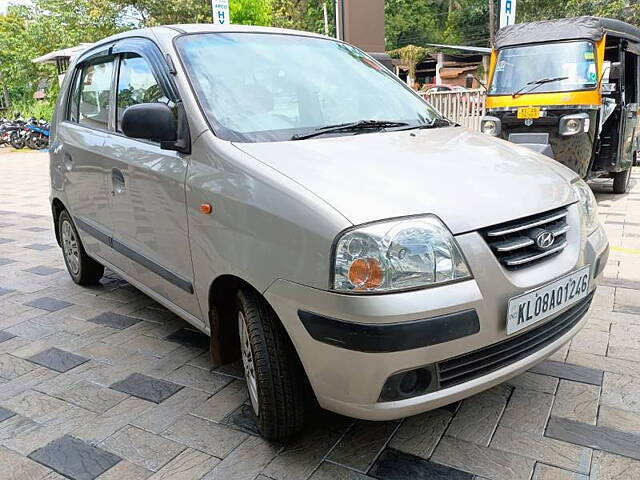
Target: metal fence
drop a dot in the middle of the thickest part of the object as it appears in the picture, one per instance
(465, 107)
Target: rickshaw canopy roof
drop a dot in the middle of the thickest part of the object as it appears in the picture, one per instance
(577, 28)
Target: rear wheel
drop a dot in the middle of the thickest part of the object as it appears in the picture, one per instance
(274, 375)
(16, 140)
(621, 181)
(83, 269)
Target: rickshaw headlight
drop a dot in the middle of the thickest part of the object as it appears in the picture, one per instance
(490, 126)
(574, 124)
(588, 204)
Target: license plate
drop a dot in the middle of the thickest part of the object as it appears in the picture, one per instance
(529, 112)
(532, 307)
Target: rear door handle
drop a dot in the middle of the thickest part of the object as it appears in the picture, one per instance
(117, 180)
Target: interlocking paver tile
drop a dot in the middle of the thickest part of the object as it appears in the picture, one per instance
(75, 459)
(125, 470)
(5, 240)
(91, 396)
(623, 420)
(17, 467)
(189, 338)
(535, 381)
(58, 360)
(212, 438)
(35, 229)
(482, 461)
(199, 379)
(160, 416)
(621, 391)
(419, 435)
(4, 336)
(43, 270)
(190, 464)
(114, 320)
(527, 411)
(39, 246)
(142, 448)
(4, 414)
(243, 419)
(49, 304)
(6, 261)
(5, 291)
(395, 465)
(547, 472)
(608, 466)
(360, 446)
(224, 402)
(13, 367)
(567, 371)
(147, 388)
(576, 401)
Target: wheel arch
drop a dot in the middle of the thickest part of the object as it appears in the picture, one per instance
(57, 207)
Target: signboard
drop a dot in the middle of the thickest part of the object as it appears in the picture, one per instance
(507, 12)
(220, 12)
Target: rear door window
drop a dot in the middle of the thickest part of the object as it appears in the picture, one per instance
(95, 94)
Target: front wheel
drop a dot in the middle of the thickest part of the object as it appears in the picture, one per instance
(275, 379)
(621, 181)
(83, 269)
(16, 140)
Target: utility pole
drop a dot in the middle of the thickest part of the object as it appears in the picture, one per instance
(326, 18)
(492, 24)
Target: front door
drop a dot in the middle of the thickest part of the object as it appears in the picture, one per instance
(148, 201)
(629, 124)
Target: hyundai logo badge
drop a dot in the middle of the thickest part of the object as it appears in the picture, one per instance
(544, 240)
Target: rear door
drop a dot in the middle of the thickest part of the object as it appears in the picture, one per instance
(628, 129)
(79, 152)
(148, 204)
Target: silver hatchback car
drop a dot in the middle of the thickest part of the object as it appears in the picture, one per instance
(286, 194)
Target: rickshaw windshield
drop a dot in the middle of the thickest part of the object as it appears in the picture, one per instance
(551, 67)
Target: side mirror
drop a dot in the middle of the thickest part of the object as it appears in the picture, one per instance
(152, 121)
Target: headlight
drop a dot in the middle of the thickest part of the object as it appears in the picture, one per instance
(491, 126)
(573, 124)
(397, 255)
(588, 204)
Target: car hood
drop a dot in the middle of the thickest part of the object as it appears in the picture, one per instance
(468, 179)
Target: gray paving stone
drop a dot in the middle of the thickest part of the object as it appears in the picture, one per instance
(91, 396)
(114, 320)
(243, 419)
(360, 446)
(199, 379)
(246, 461)
(224, 402)
(5, 291)
(621, 391)
(569, 372)
(13, 367)
(302, 454)
(478, 416)
(36, 229)
(535, 381)
(331, 471)
(550, 451)
(4, 414)
(602, 438)
(142, 448)
(190, 338)
(125, 470)
(623, 420)
(5, 240)
(547, 472)
(57, 359)
(6, 261)
(577, 401)
(159, 417)
(607, 466)
(482, 461)
(39, 246)
(527, 411)
(147, 388)
(4, 336)
(212, 438)
(395, 465)
(419, 435)
(17, 467)
(43, 270)
(49, 304)
(74, 459)
(190, 464)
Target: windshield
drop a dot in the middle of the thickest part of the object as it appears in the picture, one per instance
(267, 87)
(573, 62)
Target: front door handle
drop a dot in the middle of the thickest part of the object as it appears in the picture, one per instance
(117, 180)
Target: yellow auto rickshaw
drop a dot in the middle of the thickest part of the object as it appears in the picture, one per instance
(570, 89)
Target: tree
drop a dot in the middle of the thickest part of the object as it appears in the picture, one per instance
(410, 56)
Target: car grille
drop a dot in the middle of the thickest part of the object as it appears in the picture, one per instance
(485, 360)
(514, 243)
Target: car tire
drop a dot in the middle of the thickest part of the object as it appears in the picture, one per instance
(83, 269)
(621, 181)
(275, 378)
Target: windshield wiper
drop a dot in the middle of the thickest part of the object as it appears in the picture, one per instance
(435, 123)
(537, 83)
(348, 127)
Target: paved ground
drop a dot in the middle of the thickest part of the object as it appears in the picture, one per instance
(106, 383)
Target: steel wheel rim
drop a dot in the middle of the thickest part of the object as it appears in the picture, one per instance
(248, 363)
(70, 247)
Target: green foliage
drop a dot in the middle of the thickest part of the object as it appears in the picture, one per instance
(410, 56)
(303, 15)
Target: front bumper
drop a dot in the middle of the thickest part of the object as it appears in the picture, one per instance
(350, 381)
